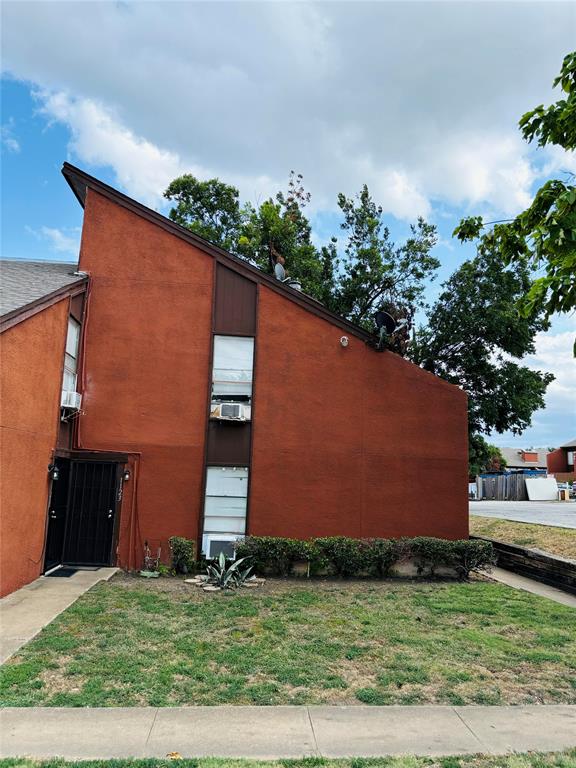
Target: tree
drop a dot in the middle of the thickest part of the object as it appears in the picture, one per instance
(280, 226)
(475, 337)
(210, 209)
(375, 272)
(484, 457)
(544, 235)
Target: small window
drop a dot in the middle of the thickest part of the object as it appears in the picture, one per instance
(232, 368)
(71, 356)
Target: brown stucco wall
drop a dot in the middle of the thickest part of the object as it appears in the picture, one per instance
(348, 440)
(556, 461)
(32, 355)
(146, 368)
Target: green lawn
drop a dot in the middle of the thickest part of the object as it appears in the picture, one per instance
(548, 538)
(529, 760)
(131, 642)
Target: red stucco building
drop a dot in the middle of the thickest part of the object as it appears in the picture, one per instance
(215, 401)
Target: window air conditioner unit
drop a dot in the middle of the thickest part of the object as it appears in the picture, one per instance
(72, 400)
(230, 411)
(215, 543)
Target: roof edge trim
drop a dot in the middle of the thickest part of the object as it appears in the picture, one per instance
(79, 181)
(20, 314)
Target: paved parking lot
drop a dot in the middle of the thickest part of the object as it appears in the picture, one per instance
(558, 513)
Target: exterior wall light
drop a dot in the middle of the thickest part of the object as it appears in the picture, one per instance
(344, 341)
(126, 475)
(53, 471)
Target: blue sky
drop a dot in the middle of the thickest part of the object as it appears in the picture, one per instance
(419, 100)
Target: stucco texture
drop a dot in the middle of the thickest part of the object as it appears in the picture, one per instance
(350, 441)
(32, 355)
(146, 369)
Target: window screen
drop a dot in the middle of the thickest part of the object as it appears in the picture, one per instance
(232, 366)
(225, 505)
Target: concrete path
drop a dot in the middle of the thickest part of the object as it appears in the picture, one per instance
(529, 585)
(282, 732)
(558, 513)
(28, 610)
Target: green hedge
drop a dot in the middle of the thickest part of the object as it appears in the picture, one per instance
(345, 557)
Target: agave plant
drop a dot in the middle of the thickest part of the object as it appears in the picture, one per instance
(227, 577)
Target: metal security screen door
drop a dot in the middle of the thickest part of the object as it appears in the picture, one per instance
(91, 513)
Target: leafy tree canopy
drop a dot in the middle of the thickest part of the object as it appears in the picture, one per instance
(474, 338)
(484, 457)
(544, 235)
(367, 272)
(210, 209)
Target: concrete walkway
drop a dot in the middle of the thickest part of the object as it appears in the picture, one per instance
(28, 610)
(282, 732)
(530, 585)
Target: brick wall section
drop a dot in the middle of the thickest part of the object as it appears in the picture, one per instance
(348, 440)
(146, 367)
(31, 379)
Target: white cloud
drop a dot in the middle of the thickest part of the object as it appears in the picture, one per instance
(557, 422)
(554, 354)
(421, 101)
(60, 240)
(7, 136)
(141, 168)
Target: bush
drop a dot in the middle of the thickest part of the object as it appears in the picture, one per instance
(183, 554)
(381, 554)
(344, 557)
(273, 554)
(463, 555)
(429, 554)
(472, 555)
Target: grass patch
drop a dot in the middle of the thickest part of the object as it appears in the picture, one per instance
(557, 541)
(565, 759)
(164, 643)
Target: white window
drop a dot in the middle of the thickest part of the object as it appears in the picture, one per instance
(224, 509)
(232, 367)
(71, 356)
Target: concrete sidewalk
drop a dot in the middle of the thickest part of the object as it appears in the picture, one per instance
(282, 732)
(516, 581)
(28, 610)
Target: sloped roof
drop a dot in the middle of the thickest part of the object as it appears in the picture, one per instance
(569, 444)
(23, 283)
(80, 182)
(514, 458)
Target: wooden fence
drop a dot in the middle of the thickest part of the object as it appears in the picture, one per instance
(502, 487)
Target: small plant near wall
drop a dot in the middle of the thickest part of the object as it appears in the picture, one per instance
(183, 554)
(151, 563)
(222, 575)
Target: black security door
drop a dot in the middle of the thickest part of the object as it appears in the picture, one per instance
(93, 491)
(57, 515)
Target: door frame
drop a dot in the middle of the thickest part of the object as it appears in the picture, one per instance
(97, 457)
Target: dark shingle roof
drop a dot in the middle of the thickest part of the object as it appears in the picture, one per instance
(24, 282)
